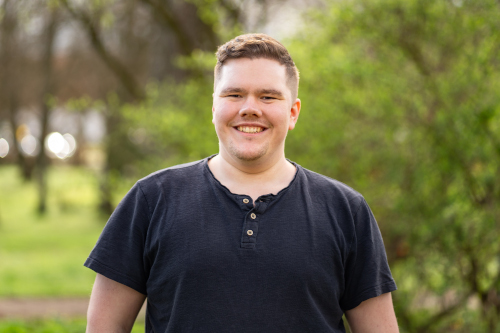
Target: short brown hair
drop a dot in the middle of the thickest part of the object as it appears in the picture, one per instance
(254, 46)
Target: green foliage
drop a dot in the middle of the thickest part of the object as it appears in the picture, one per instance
(198, 61)
(223, 16)
(174, 124)
(82, 104)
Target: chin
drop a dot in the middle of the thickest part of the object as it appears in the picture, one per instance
(247, 155)
(248, 158)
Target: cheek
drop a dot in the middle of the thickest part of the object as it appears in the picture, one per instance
(218, 120)
(280, 118)
(221, 114)
(216, 117)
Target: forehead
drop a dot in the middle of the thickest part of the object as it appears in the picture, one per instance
(252, 73)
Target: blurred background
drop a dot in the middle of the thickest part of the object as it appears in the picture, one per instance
(400, 100)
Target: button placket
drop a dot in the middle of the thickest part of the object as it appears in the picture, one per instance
(250, 230)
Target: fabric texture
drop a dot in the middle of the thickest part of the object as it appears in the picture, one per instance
(210, 261)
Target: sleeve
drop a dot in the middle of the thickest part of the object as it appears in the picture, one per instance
(367, 273)
(119, 252)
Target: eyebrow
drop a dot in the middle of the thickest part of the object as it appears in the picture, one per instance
(232, 90)
(273, 92)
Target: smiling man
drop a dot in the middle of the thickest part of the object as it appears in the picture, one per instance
(246, 240)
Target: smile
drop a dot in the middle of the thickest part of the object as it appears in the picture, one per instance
(249, 129)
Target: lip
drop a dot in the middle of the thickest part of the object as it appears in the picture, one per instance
(250, 125)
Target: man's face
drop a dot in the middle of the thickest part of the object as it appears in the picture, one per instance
(252, 109)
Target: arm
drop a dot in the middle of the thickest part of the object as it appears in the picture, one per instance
(113, 306)
(375, 315)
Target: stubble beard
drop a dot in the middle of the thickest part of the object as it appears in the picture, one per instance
(245, 155)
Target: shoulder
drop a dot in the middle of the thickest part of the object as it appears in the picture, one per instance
(174, 174)
(171, 181)
(327, 188)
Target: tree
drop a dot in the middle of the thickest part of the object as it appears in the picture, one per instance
(46, 93)
(11, 65)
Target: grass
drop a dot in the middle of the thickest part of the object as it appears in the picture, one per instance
(52, 326)
(44, 255)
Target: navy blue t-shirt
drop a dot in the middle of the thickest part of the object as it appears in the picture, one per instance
(210, 261)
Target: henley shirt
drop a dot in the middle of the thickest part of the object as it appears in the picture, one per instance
(209, 260)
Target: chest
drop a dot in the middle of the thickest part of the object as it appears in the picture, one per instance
(283, 240)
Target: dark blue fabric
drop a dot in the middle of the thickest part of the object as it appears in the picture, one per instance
(181, 238)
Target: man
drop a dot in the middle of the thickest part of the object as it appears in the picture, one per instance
(246, 240)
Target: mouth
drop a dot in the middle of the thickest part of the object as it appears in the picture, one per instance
(250, 129)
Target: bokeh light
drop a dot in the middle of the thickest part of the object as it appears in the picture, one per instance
(62, 146)
(55, 142)
(71, 142)
(4, 147)
(29, 145)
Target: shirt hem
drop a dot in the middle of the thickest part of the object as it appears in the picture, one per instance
(110, 273)
(387, 287)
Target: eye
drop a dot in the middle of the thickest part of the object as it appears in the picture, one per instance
(268, 97)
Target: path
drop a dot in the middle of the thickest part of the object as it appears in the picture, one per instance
(32, 308)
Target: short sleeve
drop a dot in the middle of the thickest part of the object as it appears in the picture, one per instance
(119, 252)
(367, 272)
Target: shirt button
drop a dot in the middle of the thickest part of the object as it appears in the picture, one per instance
(253, 216)
(246, 200)
(249, 232)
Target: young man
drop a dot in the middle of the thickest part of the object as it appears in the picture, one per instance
(246, 240)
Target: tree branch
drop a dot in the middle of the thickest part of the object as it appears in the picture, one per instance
(443, 314)
(165, 17)
(113, 63)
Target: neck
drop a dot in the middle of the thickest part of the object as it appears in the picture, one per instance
(253, 179)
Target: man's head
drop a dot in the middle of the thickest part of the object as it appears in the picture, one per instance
(255, 46)
(255, 100)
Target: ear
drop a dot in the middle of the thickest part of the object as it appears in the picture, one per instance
(294, 114)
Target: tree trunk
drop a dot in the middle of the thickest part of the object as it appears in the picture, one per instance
(9, 82)
(25, 164)
(47, 90)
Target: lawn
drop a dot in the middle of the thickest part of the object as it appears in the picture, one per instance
(43, 255)
(52, 326)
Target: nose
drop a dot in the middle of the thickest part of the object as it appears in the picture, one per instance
(250, 108)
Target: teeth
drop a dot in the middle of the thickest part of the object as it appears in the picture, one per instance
(248, 129)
